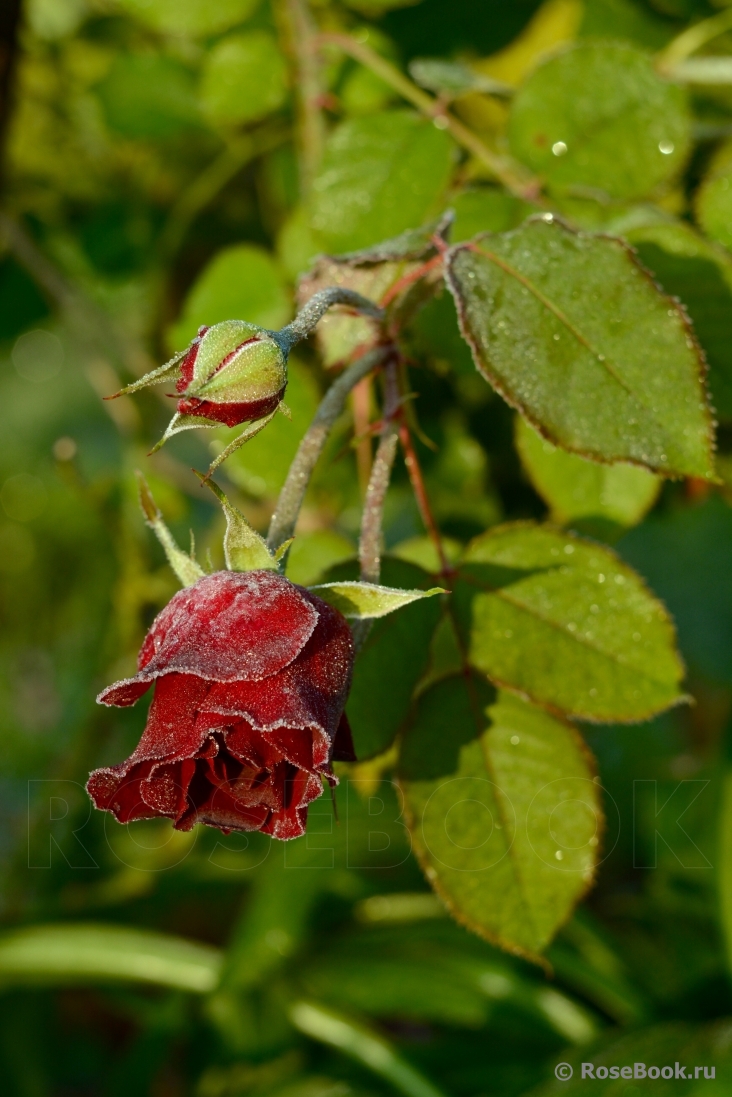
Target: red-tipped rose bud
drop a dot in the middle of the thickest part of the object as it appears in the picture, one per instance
(232, 373)
(251, 676)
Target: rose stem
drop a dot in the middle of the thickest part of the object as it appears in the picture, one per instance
(316, 308)
(293, 491)
(369, 545)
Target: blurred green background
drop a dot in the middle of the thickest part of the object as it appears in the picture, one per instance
(157, 175)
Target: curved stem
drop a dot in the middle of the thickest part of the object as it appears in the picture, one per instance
(293, 491)
(315, 309)
(511, 174)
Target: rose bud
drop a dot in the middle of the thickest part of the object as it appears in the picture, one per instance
(251, 676)
(232, 373)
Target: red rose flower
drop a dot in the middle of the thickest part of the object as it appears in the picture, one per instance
(251, 676)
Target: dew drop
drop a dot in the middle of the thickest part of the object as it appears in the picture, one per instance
(515, 740)
(559, 855)
(559, 148)
(666, 147)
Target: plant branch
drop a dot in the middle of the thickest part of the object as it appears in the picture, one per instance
(692, 39)
(293, 491)
(317, 306)
(516, 179)
(302, 36)
(369, 547)
(420, 491)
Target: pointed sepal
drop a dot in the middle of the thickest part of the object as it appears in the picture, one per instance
(363, 601)
(169, 371)
(244, 549)
(186, 567)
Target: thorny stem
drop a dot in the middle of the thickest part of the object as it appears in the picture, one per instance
(420, 491)
(511, 175)
(316, 308)
(301, 35)
(293, 491)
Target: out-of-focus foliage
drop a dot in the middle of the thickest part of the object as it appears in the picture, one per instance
(158, 175)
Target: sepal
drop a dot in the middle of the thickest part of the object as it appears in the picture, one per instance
(169, 371)
(186, 567)
(364, 601)
(244, 549)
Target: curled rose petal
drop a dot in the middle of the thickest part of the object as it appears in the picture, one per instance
(251, 678)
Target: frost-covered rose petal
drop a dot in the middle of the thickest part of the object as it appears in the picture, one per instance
(251, 677)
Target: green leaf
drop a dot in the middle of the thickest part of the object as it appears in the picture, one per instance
(194, 18)
(362, 1044)
(603, 497)
(565, 622)
(84, 953)
(397, 987)
(660, 1046)
(503, 810)
(364, 601)
(597, 118)
(244, 549)
(700, 274)
(684, 554)
(187, 569)
(241, 282)
(244, 77)
(573, 332)
(391, 662)
(314, 553)
(380, 175)
(148, 96)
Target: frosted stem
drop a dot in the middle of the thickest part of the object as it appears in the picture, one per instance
(293, 491)
(316, 308)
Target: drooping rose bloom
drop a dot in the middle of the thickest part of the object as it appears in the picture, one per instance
(251, 676)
